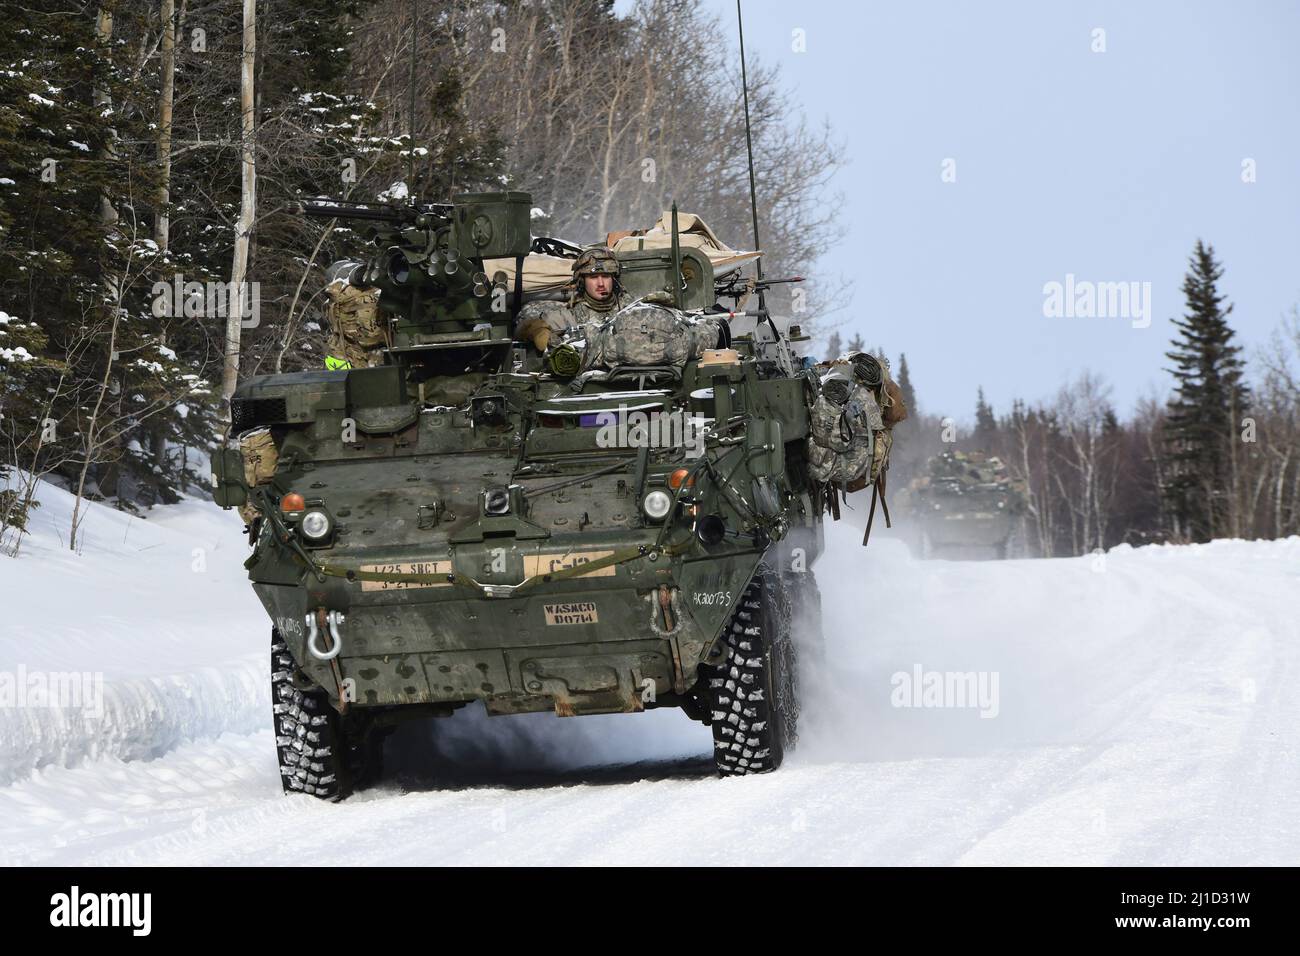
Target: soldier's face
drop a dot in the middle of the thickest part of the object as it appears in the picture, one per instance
(599, 286)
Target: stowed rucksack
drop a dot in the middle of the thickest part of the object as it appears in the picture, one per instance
(648, 334)
(852, 419)
(356, 330)
(260, 460)
(844, 423)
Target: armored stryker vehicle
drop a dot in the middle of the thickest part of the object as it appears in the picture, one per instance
(472, 523)
(968, 507)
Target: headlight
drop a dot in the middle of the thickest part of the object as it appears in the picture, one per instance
(315, 525)
(657, 504)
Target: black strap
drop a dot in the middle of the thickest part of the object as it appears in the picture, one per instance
(877, 490)
(519, 285)
(871, 516)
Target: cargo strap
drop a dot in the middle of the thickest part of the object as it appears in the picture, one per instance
(519, 285)
(620, 556)
(877, 488)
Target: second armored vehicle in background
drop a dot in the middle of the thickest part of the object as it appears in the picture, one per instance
(968, 507)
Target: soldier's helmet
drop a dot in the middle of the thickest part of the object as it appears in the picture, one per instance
(598, 261)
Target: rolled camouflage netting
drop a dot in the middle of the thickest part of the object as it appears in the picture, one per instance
(836, 389)
(564, 361)
(866, 369)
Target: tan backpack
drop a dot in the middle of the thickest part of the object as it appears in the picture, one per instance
(356, 330)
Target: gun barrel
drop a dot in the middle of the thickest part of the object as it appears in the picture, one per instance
(345, 210)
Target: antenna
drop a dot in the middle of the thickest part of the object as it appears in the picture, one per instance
(410, 120)
(749, 148)
(410, 176)
(678, 304)
(753, 195)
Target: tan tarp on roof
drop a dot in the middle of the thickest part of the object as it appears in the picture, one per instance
(551, 273)
(693, 233)
(541, 273)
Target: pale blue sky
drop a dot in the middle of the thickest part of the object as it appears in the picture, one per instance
(1105, 165)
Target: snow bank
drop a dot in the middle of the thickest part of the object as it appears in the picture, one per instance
(1143, 713)
(148, 637)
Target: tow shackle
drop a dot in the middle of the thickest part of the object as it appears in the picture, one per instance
(332, 621)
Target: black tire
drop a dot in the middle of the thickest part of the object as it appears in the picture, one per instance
(752, 694)
(321, 752)
(807, 632)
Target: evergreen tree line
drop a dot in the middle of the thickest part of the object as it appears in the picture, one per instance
(125, 166)
(1219, 458)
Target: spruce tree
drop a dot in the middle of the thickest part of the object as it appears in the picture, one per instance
(76, 264)
(905, 385)
(834, 347)
(1209, 400)
(986, 426)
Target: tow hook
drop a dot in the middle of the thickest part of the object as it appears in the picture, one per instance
(665, 611)
(666, 602)
(332, 620)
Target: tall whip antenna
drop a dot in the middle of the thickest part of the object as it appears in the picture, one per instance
(410, 187)
(749, 149)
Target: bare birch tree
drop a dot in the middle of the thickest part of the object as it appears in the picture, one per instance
(247, 207)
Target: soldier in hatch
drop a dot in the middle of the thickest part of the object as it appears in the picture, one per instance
(595, 296)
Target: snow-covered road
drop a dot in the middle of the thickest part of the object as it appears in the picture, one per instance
(1139, 708)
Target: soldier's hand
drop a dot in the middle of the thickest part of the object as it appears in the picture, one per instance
(535, 330)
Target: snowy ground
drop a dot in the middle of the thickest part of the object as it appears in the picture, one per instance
(1146, 713)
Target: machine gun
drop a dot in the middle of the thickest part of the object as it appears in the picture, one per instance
(372, 212)
(430, 269)
(735, 286)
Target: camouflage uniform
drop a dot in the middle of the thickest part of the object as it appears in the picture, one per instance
(586, 313)
(650, 333)
(851, 427)
(540, 322)
(356, 333)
